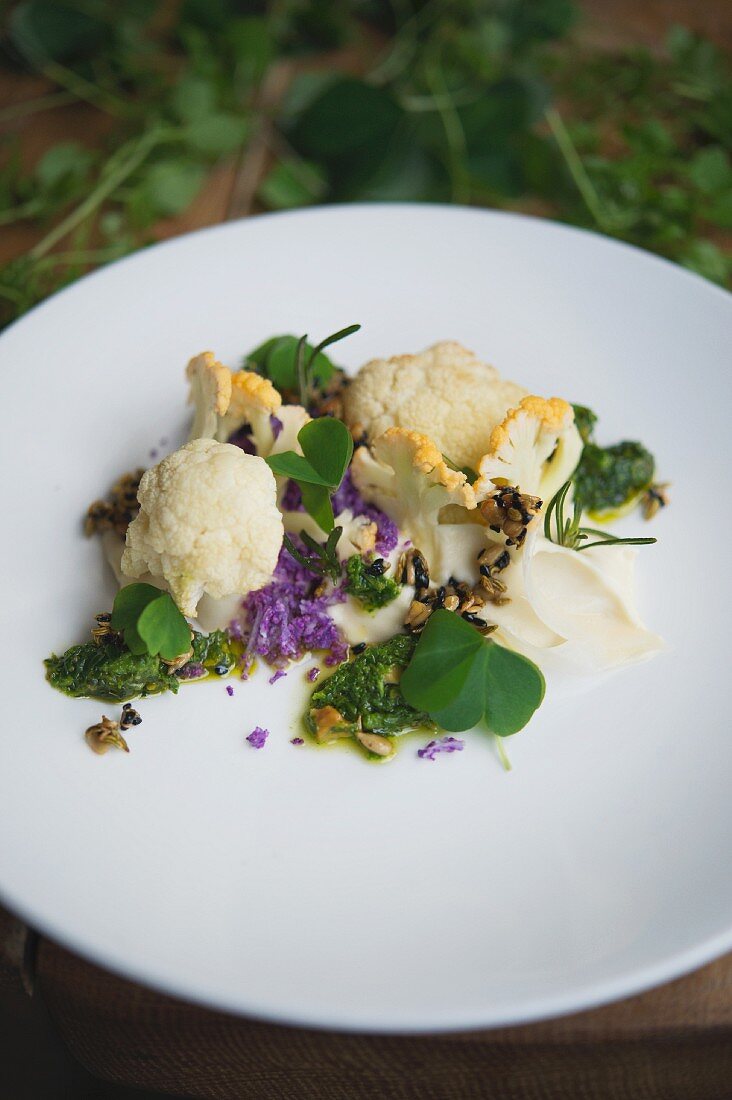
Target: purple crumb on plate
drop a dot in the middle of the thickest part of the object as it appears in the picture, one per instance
(229, 689)
(445, 744)
(313, 674)
(276, 425)
(257, 737)
(296, 741)
(153, 453)
(279, 675)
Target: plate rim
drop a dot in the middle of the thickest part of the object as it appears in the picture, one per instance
(583, 996)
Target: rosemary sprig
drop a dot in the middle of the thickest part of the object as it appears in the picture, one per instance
(568, 530)
(323, 559)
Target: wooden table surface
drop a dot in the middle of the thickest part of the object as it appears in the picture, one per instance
(673, 1042)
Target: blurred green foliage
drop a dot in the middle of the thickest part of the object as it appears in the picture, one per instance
(476, 101)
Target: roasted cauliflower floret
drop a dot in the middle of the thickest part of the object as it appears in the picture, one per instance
(208, 523)
(536, 448)
(227, 400)
(407, 477)
(445, 392)
(209, 393)
(254, 400)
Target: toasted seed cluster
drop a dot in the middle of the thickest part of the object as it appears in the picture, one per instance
(178, 662)
(329, 724)
(654, 498)
(374, 742)
(103, 632)
(328, 400)
(130, 717)
(412, 569)
(116, 513)
(492, 561)
(457, 596)
(105, 735)
(509, 511)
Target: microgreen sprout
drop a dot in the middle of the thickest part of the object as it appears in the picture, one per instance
(304, 363)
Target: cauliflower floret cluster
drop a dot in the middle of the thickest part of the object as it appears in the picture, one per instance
(405, 474)
(208, 523)
(536, 449)
(225, 401)
(445, 393)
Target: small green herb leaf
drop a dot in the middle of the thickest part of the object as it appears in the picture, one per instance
(291, 464)
(150, 621)
(328, 446)
(164, 629)
(316, 502)
(460, 678)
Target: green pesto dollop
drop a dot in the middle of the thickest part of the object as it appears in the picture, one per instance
(111, 673)
(609, 479)
(367, 688)
(585, 420)
(368, 583)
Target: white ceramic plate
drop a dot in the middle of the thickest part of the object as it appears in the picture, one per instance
(303, 885)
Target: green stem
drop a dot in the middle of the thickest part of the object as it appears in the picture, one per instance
(454, 133)
(113, 178)
(41, 103)
(502, 754)
(576, 168)
(19, 213)
(80, 256)
(77, 86)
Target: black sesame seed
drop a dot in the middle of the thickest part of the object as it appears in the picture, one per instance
(221, 670)
(358, 648)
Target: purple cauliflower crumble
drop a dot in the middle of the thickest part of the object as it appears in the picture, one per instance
(292, 498)
(444, 744)
(243, 439)
(276, 425)
(296, 741)
(286, 620)
(257, 737)
(348, 496)
(191, 672)
(229, 689)
(313, 675)
(279, 675)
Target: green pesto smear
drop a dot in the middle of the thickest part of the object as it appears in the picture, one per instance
(609, 480)
(368, 583)
(110, 672)
(366, 688)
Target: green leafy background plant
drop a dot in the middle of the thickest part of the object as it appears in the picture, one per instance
(488, 102)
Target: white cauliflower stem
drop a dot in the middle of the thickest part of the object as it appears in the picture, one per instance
(536, 448)
(406, 476)
(445, 392)
(209, 393)
(208, 522)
